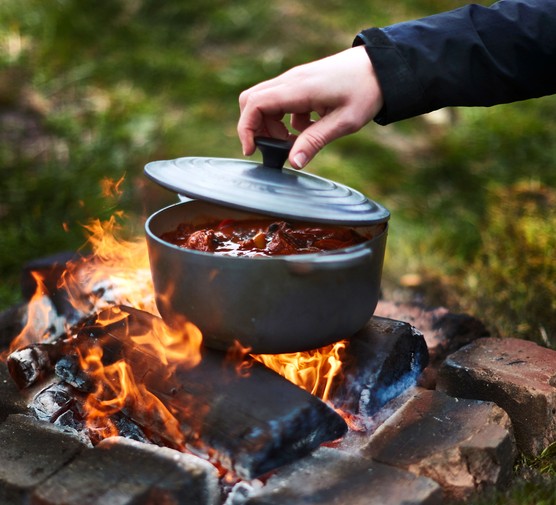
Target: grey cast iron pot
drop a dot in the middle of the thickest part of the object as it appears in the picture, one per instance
(275, 304)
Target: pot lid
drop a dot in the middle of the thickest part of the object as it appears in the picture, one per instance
(267, 187)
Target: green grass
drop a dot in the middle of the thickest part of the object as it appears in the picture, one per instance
(523, 492)
(535, 483)
(90, 91)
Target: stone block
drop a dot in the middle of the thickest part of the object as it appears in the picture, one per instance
(464, 445)
(330, 477)
(11, 401)
(120, 471)
(518, 375)
(30, 452)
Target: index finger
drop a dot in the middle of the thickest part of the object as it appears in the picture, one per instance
(263, 108)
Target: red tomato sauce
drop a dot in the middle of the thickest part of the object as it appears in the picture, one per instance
(262, 237)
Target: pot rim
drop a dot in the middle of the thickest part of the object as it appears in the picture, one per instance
(341, 253)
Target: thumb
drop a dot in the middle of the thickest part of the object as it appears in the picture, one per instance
(311, 140)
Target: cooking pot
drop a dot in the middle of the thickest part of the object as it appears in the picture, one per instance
(276, 304)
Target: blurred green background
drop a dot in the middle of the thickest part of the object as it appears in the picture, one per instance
(91, 91)
(94, 90)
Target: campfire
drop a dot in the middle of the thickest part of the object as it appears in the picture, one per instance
(101, 361)
(139, 382)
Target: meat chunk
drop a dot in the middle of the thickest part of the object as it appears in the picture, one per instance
(202, 240)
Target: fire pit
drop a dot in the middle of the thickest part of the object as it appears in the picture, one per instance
(126, 408)
(88, 362)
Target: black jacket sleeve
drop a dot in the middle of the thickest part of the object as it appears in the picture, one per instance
(471, 56)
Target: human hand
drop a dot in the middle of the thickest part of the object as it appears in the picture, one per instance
(342, 89)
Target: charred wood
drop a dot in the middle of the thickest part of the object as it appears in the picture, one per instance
(30, 364)
(62, 405)
(69, 370)
(382, 360)
(61, 291)
(255, 421)
(52, 401)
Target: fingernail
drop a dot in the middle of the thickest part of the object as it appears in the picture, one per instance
(300, 159)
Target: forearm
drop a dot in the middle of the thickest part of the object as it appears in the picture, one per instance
(472, 56)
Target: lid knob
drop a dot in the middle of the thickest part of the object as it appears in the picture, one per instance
(275, 151)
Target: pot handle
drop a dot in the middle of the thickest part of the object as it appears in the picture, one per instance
(344, 259)
(275, 151)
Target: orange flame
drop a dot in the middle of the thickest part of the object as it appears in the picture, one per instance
(110, 187)
(116, 385)
(238, 354)
(172, 345)
(121, 264)
(40, 316)
(118, 273)
(115, 390)
(315, 371)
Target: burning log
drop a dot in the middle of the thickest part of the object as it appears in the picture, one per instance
(68, 281)
(254, 419)
(30, 364)
(257, 422)
(62, 405)
(383, 360)
(61, 291)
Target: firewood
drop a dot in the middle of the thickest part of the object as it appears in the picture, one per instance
(382, 360)
(255, 421)
(32, 363)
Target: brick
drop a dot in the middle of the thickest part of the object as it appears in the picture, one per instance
(464, 445)
(120, 471)
(30, 452)
(444, 332)
(11, 401)
(330, 477)
(518, 375)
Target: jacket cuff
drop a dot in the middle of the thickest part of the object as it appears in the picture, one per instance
(402, 94)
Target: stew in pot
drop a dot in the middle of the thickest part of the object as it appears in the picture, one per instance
(262, 237)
